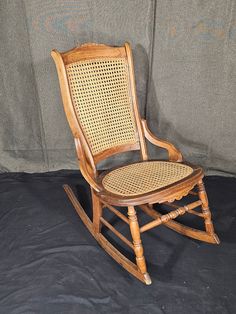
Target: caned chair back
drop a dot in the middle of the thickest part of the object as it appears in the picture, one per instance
(102, 98)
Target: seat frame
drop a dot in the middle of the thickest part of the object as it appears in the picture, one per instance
(102, 199)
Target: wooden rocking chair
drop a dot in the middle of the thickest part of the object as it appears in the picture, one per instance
(99, 96)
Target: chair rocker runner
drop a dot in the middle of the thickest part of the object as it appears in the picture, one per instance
(99, 96)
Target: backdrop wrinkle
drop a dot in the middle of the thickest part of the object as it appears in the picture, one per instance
(184, 54)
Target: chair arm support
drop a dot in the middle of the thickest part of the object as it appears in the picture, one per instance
(84, 169)
(174, 153)
(90, 179)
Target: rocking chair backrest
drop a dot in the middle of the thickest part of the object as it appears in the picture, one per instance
(98, 91)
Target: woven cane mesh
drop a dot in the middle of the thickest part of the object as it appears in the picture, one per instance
(100, 95)
(140, 178)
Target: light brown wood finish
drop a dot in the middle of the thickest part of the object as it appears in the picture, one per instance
(101, 198)
(108, 247)
(116, 212)
(205, 208)
(97, 212)
(135, 102)
(117, 233)
(135, 232)
(182, 229)
(92, 51)
(170, 216)
(174, 153)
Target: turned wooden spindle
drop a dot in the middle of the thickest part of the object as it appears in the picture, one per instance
(135, 232)
(205, 207)
(97, 212)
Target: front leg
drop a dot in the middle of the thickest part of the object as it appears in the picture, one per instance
(138, 247)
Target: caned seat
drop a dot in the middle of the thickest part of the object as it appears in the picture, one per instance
(99, 97)
(144, 177)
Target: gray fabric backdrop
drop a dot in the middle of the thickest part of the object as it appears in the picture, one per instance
(185, 60)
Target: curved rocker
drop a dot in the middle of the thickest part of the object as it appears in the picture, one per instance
(99, 97)
(108, 247)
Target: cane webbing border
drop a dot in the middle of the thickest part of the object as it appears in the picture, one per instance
(144, 177)
(102, 102)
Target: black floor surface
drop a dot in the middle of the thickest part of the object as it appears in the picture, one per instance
(49, 262)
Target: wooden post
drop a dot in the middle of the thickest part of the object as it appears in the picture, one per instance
(205, 207)
(97, 212)
(135, 232)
